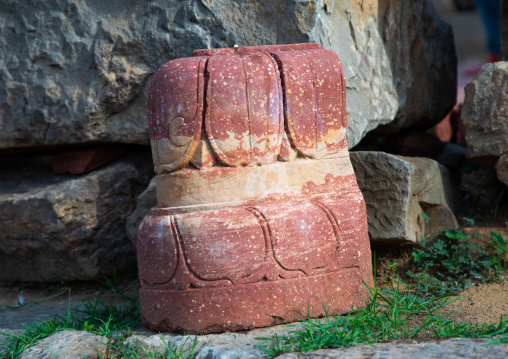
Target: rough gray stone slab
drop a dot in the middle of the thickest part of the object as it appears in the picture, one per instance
(79, 344)
(398, 189)
(212, 346)
(75, 344)
(78, 71)
(458, 348)
(68, 344)
(62, 227)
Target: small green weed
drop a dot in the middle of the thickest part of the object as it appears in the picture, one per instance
(387, 315)
(390, 314)
(93, 316)
(452, 263)
(446, 328)
(500, 245)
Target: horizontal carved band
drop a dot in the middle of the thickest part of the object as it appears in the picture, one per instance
(244, 244)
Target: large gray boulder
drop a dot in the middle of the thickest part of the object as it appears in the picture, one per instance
(78, 71)
(62, 227)
(397, 190)
(485, 116)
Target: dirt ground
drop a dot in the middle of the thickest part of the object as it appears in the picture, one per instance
(483, 303)
(26, 303)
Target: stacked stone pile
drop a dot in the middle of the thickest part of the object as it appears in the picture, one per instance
(77, 74)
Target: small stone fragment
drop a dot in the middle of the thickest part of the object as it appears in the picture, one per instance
(397, 190)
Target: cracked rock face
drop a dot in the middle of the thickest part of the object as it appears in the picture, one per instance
(65, 227)
(78, 71)
(398, 189)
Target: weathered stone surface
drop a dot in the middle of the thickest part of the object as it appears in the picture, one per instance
(74, 344)
(422, 59)
(459, 348)
(146, 200)
(257, 222)
(398, 189)
(244, 345)
(485, 113)
(60, 227)
(78, 72)
(212, 346)
(68, 344)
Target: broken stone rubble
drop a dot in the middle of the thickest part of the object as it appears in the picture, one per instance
(397, 190)
(62, 227)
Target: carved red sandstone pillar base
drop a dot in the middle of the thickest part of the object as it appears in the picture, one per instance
(259, 220)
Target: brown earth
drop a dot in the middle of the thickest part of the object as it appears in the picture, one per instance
(483, 303)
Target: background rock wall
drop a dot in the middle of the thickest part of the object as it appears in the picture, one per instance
(78, 71)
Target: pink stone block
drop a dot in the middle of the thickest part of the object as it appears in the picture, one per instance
(259, 219)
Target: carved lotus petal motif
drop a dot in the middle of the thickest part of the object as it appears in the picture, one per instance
(224, 244)
(307, 221)
(175, 111)
(256, 104)
(244, 119)
(157, 253)
(314, 92)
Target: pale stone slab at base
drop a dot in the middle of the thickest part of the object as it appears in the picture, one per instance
(457, 348)
(252, 305)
